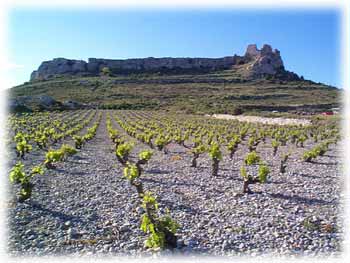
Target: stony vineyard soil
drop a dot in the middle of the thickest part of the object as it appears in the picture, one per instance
(85, 206)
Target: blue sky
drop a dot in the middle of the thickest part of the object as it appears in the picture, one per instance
(309, 40)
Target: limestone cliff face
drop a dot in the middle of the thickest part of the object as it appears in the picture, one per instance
(156, 64)
(59, 66)
(256, 63)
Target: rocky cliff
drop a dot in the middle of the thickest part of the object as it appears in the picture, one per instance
(254, 64)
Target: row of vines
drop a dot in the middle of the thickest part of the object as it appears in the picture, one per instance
(59, 135)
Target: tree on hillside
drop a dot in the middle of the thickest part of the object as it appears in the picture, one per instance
(105, 71)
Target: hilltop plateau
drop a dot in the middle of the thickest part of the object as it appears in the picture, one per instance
(256, 81)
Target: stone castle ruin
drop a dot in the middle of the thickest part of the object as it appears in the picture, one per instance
(254, 64)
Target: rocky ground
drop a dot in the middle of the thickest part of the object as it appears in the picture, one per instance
(85, 206)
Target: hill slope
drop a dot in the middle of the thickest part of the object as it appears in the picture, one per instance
(192, 93)
(256, 81)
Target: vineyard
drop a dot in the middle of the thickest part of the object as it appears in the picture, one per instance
(143, 182)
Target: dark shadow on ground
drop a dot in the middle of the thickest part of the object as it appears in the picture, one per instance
(177, 206)
(79, 163)
(330, 156)
(276, 182)
(76, 157)
(299, 199)
(157, 171)
(316, 162)
(309, 176)
(59, 215)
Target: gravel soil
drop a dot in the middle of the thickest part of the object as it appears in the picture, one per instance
(85, 206)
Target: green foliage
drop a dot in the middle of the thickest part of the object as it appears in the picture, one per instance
(275, 143)
(252, 158)
(214, 151)
(161, 141)
(145, 155)
(199, 149)
(131, 172)
(67, 150)
(105, 71)
(233, 143)
(309, 225)
(321, 149)
(156, 239)
(251, 144)
(78, 140)
(301, 139)
(244, 173)
(118, 141)
(149, 201)
(243, 133)
(25, 192)
(19, 137)
(23, 147)
(263, 172)
(318, 150)
(41, 139)
(37, 170)
(53, 156)
(123, 150)
(309, 155)
(17, 174)
(179, 138)
(153, 225)
(168, 223)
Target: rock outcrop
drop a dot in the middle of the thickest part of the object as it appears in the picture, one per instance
(59, 66)
(73, 105)
(44, 102)
(255, 64)
(32, 103)
(264, 61)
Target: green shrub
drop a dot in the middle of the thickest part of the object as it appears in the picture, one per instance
(252, 158)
